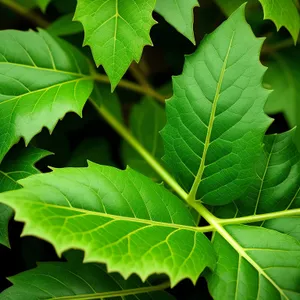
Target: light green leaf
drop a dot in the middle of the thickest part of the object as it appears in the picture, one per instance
(146, 120)
(283, 13)
(266, 265)
(18, 163)
(116, 31)
(179, 13)
(215, 118)
(65, 280)
(38, 87)
(118, 217)
(43, 4)
(65, 26)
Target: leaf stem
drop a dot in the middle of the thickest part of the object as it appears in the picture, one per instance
(260, 217)
(28, 14)
(124, 132)
(113, 294)
(131, 86)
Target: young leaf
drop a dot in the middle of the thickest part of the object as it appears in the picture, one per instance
(18, 163)
(283, 13)
(67, 280)
(215, 117)
(38, 87)
(179, 13)
(266, 265)
(146, 120)
(118, 217)
(116, 31)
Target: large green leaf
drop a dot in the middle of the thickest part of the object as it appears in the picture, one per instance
(65, 280)
(283, 13)
(118, 217)
(215, 119)
(264, 266)
(179, 13)
(18, 164)
(116, 31)
(38, 87)
(146, 120)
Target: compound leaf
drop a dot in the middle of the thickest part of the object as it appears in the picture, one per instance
(118, 217)
(265, 265)
(116, 31)
(38, 87)
(18, 163)
(215, 119)
(57, 280)
(179, 13)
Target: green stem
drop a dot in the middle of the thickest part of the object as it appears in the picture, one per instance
(104, 295)
(131, 86)
(260, 217)
(26, 13)
(124, 132)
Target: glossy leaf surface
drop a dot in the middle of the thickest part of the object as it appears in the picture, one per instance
(215, 117)
(118, 217)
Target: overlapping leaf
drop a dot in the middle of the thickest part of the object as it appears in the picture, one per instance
(215, 118)
(118, 217)
(179, 13)
(38, 87)
(59, 280)
(18, 164)
(265, 265)
(146, 120)
(283, 76)
(283, 13)
(116, 31)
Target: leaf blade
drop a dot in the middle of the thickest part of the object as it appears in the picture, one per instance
(111, 226)
(205, 113)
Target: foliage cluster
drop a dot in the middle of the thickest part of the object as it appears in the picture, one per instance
(202, 187)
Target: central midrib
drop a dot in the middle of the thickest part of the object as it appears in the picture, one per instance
(193, 192)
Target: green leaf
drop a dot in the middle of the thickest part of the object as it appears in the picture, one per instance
(179, 13)
(146, 120)
(118, 217)
(229, 6)
(43, 4)
(277, 183)
(266, 265)
(283, 13)
(215, 117)
(38, 87)
(64, 280)
(65, 26)
(18, 163)
(282, 77)
(94, 149)
(290, 226)
(116, 31)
